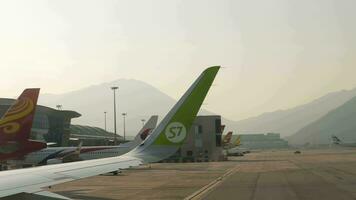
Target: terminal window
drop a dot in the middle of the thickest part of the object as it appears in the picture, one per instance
(218, 132)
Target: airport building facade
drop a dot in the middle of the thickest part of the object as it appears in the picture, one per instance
(92, 136)
(204, 142)
(54, 126)
(261, 141)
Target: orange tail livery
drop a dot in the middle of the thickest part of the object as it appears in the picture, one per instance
(16, 124)
(238, 141)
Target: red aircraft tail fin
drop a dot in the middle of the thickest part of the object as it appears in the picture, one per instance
(16, 124)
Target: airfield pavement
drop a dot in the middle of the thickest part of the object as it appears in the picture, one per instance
(268, 175)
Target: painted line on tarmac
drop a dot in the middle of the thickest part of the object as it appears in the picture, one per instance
(212, 185)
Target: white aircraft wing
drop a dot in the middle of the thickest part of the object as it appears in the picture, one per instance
(32, 180)
(163, 142)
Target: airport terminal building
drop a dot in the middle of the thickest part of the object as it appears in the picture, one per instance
(261, 141)
(92, 136)
(54, 126)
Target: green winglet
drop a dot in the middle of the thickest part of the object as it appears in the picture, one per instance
(179, 120)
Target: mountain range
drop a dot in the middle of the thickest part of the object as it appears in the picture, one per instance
(136, 98)
(339, 122)
(141, 100)
(288, 122)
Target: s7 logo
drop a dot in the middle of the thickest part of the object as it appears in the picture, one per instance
(175, 132)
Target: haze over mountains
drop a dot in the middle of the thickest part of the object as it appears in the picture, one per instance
(141, 100)
(288, 122)
(340, 122)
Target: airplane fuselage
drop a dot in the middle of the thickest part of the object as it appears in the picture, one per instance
(54, 155)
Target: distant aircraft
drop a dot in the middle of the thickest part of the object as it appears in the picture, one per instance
(164, 141)
(235, 149)
(338, 142)
(15, 127)
(238, 140)
(227, 139)
(55, 155)
(227, 144)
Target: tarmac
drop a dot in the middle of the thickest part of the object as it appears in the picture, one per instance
(313, 174)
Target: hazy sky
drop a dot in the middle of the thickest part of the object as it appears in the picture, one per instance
(277, 53)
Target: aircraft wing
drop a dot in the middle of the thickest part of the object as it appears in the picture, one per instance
(32, 180)
(165, 140)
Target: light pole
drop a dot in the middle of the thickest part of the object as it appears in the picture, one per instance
(114, 89)
(143, 122)
(105, 120)
(124, 115)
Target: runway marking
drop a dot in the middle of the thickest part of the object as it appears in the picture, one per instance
(212, 185)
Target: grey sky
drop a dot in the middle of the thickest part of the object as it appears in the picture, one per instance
(277, 53)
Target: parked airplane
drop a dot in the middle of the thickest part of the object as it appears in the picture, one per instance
(227, 144)
(165, 140)
(55, 155)
(338, 142)
(238, 141)
(227, 140)
(15, 127)
(236, 149)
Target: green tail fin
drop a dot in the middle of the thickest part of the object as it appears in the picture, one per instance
(175, 126)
